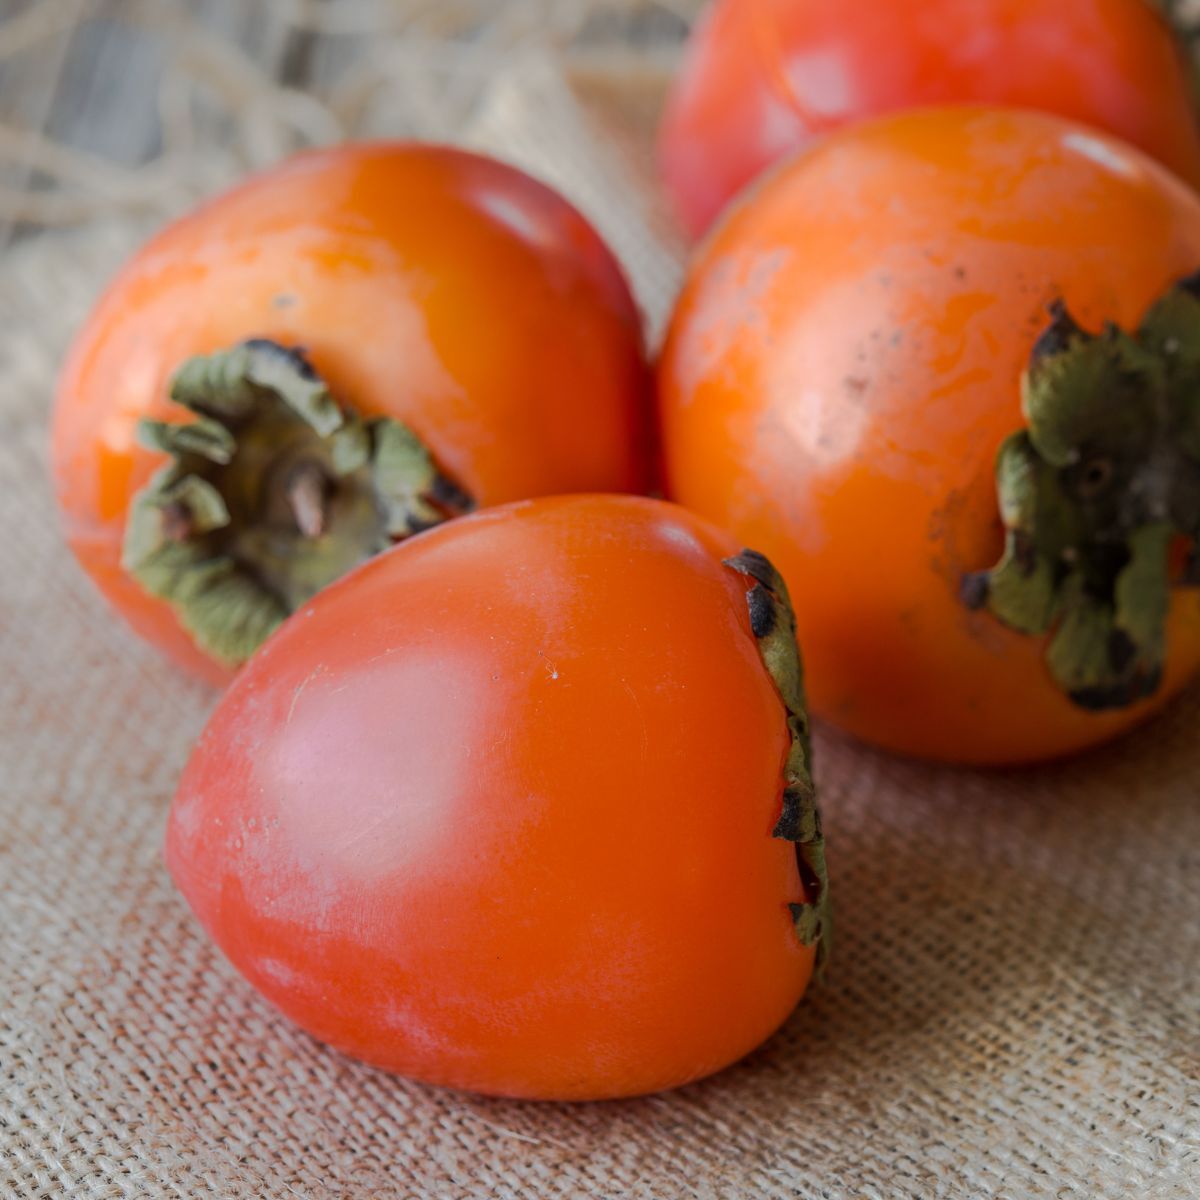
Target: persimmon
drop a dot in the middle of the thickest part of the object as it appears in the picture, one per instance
(521, 806)
(943, 370)
(369, 338)
(762, 79)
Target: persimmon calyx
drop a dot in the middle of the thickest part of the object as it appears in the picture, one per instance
(271, 492)
(773, 624)
(1095, 494)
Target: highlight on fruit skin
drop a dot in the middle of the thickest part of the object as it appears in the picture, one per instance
(355, 344)
(763, 79)
(522, 806)
(948, 356)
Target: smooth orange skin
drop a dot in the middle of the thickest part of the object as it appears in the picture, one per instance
(495, 810)
(842, 368)
(763, 78)
(432, 285)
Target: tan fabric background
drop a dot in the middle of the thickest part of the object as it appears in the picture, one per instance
(1013, 1008)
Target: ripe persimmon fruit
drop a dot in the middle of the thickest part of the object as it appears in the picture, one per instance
(369, 338)
(522, 805)
(762, 79)
(943, 370)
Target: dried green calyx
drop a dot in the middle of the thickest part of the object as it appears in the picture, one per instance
(774, 625)
(273, 491)
(1095, 494)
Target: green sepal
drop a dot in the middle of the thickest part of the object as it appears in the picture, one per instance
(223, 608)
(773, 623)
(407, 479)
(1068, 370)
(1078, 652)
(217, 532)
(1171, 329)
(229, 384)
(204, 437)
(1106, 655)
(1093, 494)
(199, 504)
(204, 505)
(1022, 587)
(350, 447)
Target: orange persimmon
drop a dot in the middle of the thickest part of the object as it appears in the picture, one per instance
(942, 342)
(764, 78)
(370, 338)
(522, 805)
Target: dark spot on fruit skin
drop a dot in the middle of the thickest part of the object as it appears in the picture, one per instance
(1191, 284)
(1058, 335)
(448, 494)
(789, 825)
(856, 384)
(974, 589)
(1118, 695)
(762, 611)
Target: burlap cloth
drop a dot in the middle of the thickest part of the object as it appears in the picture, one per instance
(1013, 1007)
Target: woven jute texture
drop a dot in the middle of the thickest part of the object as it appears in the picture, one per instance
(1013, 1009)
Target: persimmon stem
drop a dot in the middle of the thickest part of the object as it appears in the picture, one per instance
(273, 491)
(1096, 494)
(308, 494)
